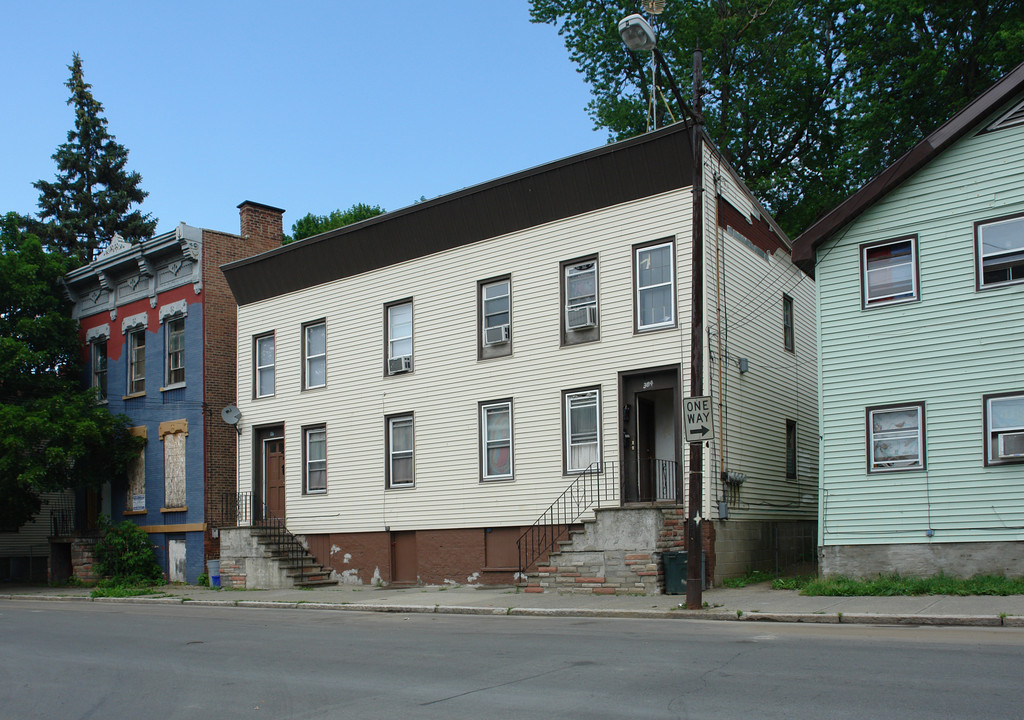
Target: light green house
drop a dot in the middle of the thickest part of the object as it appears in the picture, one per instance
(920, 293)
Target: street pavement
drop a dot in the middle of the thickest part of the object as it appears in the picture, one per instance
(754, 603)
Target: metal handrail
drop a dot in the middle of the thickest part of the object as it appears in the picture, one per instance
(597, 484)
(244, 509)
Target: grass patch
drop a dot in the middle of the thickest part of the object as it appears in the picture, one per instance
(117, 589)
(893, 585)
(752, 576)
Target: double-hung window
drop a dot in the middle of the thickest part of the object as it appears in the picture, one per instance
(314, 351)
(98, 363)
(314, 467)
(655, 285)
(896, 437)
(582, 429)
(889, 272)
(137, 361)
(398, 318)
(264, 346)
(175, 337)
(496, 440)
(580, 292)
(494, 300)
(400, 452)
(1000, 251)
(791, 449)
(1004, 428)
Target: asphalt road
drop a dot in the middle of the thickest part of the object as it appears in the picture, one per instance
(129, 661)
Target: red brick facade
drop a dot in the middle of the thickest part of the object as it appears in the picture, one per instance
(261, 230)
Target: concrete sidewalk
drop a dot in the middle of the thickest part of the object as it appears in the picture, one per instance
(753, 603)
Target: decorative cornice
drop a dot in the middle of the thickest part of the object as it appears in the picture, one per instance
(98, 333)
(134, 321)
(174, 309)
(116, 245)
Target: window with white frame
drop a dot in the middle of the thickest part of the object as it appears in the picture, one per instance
(580, 291)
(496, 314)
(889, 272)
(137, 361)
(314, 350)
(1004, 428)
(496, 440)
(582, 429)
(174, 331)
(896, 437)
(98, 366)
(314, 466)
(399, 337)
(1000, 251)
(655, 286)
(264, 355)
(401, 470)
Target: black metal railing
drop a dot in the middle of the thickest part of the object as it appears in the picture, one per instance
(665, 479)
(246, 510)
(596, 485)
(62, 515)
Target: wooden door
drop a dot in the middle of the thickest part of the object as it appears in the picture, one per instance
(645, 428)
(273, 472)
(404, 564)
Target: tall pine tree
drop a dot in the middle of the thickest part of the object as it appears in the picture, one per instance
(92, 195)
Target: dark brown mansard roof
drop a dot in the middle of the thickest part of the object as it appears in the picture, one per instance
(920, 155)
(640, 167)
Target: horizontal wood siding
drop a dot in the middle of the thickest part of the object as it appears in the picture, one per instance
(946, 350)
(778, 385)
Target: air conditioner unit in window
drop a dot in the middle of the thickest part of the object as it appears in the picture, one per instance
(583, 316)
(402, 364)
(497, 335)
(1011, 445)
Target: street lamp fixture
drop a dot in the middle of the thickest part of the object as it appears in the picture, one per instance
(637, 33)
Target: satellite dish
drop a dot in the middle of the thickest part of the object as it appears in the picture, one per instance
(231, 415)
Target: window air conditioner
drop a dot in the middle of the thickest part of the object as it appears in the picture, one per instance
(583, 316)
(497, 335)
(1011, 445)
(402, 364)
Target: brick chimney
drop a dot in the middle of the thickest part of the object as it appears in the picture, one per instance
(261, 225)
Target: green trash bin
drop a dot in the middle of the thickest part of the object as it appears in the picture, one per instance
(675, 571)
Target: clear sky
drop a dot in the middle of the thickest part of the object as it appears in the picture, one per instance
(307, 106)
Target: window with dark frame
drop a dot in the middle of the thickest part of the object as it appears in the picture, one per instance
(1004, 428)
(791, 449)
(889, 272)
(582, 423)
(314, 469)
(98, 364)
(896, 437)
(580, 290)
(264, 355)
(494, 298)
(788, 341)
(398, 317)
(401, 470)
(496, 440)
(655, 285)
(175, 332)
(1000, 251)
(137, 361)
(314, 351)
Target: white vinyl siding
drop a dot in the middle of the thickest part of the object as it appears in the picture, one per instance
(450, 383)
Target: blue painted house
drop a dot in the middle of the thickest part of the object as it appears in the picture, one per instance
(158, 326)
(920, 294)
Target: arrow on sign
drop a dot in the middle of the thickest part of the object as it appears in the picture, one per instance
(702, 430)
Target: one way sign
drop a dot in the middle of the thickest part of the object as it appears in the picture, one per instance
(697, 419)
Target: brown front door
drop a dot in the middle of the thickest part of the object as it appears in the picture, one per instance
(404, 565)
(273, 472)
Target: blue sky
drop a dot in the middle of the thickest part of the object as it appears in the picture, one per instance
(307, 106)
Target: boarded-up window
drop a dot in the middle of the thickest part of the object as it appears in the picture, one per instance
(136, 499)
(174, 470)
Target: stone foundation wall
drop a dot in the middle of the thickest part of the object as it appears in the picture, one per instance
(924, 559)
(745, 545)
(83, 559)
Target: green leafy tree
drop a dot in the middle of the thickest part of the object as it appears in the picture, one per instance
(311, 224)
(93, 193)
(807, 100)
(56, 436)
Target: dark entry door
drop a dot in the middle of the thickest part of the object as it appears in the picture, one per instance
(645, 446)
(273, 472)
(404, 564)
(651, 435)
